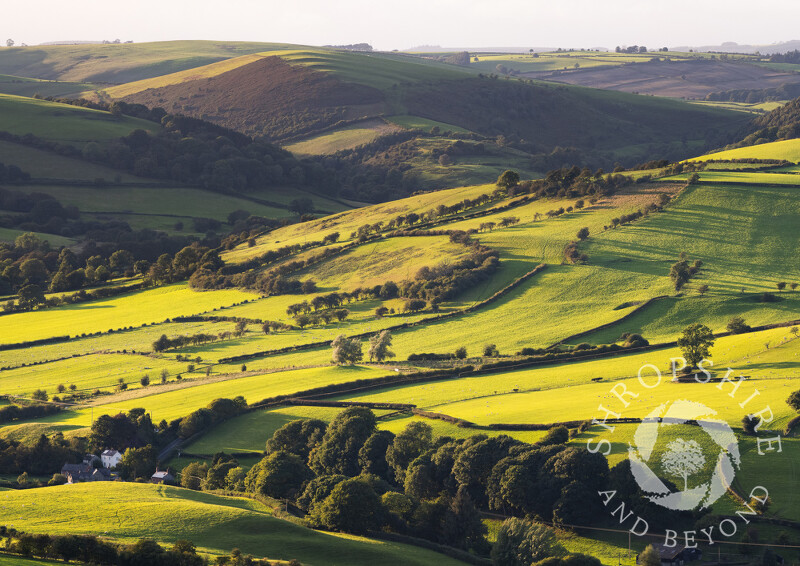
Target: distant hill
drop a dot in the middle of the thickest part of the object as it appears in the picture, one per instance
(733, 47)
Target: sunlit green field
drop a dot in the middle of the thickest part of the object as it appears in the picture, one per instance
(564, 392)
(134, 309)
(97, 371)
(348, 222)
(215, 524)
(787, 149)
(76, 125)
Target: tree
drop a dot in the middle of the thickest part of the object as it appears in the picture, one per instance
(39, 395)
(9, 43)
(338, 452)
(649, 557)
(381, 311)
(521, 543)
(793, 286)
(583, 233)
(463, 527)
(409, 444)
(352, 507)
(679, 273)
(301, 206)
(781, 286)
(279, 475)
(145, 381)
(508, 179)
(379, 346)
(138, 463)
(193, 475)
(695, 343)
(749, 423)
(794, 330)
(683, 459)
(346, 350)
(372, 456)
(30, 296)
(702, 289)
(461, 353)
(490, 351)
(737, 325)
(297, 437)
(794, 400)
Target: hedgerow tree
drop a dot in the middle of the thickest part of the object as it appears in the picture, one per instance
(279, 475)
(794, 400)
(352, 507)
(409, 444)
(583, 233)
(344, 437)
(508, 179)
(695, 343)
(737, 325)
(781, 286)
(521, 543)
(379, 346)
(346, 351)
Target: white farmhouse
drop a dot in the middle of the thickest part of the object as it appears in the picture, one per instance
(110, 458)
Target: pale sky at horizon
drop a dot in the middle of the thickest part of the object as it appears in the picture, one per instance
(390, 24)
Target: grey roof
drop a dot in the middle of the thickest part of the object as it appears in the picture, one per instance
(111, 453)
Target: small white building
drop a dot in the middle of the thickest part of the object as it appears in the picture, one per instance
(110, 458)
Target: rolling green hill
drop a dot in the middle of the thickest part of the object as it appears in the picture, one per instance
(215, 524)
(64, 123)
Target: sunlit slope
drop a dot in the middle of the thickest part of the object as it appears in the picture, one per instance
(120, 63)
(64, 123)
(215, 524)
(785, 149)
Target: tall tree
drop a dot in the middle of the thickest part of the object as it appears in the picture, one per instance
(695, 343)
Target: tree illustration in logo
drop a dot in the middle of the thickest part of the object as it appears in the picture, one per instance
(683, 459)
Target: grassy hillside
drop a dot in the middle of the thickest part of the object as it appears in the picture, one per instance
(786, 149)
(120, 63)
(62, 122)
(215, 524)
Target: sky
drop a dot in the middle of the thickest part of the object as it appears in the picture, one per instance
(390, 24)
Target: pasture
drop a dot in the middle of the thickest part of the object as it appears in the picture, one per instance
(786, 149)
(214, 523)
(131, 309)
(74, 125)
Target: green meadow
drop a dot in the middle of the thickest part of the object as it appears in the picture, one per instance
(215, 524)
(133, 309)
(75, 125)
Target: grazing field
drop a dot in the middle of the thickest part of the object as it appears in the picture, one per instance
(340, 139)
(87, 373)
(9, 235)
(742, 177)
(786, 149)
(75, 125)
(416, 123)
(48, 165)
(562, 392)
(24, 86)
(350, 221)
(121, 63)
(133, 309)
(214, 523)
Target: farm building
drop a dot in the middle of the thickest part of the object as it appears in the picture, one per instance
(675, 555)
(84, 472)
(110, 458)
(162, 477)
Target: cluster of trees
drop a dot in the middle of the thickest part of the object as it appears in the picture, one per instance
(788, 57)
(193, 151)
(787, 91)
(573, 182)
(634, 49)
(780, 124)
(166, 343)
(43, 457)
(349, 476)
(89, 549)
(12, 174)
(681, 271)
(14, 412)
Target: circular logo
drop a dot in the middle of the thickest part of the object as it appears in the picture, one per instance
(683, 458)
